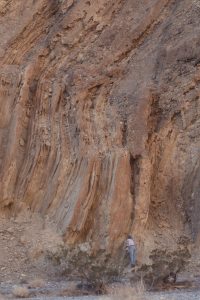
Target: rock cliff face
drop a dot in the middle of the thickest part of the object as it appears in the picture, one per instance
(99, 118)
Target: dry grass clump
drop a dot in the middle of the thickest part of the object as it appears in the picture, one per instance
(37, 283)
(20, 292)
(136, 292)
(71, 291)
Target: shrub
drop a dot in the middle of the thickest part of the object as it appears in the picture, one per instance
(20, 292)
(135, 292)
(36, 283)
(93, 271)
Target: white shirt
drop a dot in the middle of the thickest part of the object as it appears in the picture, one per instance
(130, 242)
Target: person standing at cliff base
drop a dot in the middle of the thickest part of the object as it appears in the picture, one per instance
(131, 248)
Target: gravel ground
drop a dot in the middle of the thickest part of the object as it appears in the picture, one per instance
(192, 295)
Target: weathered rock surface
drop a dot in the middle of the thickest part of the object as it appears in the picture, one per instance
(99, 118)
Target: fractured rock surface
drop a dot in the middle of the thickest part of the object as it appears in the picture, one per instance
(99, 118)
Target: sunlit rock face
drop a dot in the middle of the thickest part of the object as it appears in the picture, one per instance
(99, 118)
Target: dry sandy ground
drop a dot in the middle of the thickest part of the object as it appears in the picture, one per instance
(22, 243)
(152, 296)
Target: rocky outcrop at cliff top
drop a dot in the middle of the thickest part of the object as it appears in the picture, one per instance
(99, 117)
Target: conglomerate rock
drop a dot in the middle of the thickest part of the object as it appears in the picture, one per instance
(99, 118)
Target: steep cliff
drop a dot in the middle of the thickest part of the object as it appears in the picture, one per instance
(99, 118)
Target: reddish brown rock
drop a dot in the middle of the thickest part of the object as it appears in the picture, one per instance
(99, 118)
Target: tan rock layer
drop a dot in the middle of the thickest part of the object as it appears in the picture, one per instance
(99, 117)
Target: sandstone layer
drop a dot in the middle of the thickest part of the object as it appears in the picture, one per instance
(99, 118)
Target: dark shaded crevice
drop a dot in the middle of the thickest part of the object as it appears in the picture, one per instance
(156, 115)
(124, 134)
(134, 184)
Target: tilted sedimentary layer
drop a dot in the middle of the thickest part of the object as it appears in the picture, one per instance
(99, 117)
